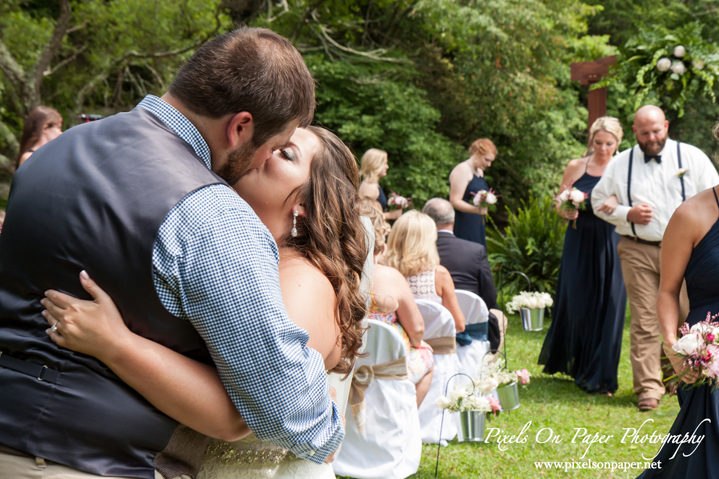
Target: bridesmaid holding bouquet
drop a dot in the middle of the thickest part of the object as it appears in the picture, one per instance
(585, 337)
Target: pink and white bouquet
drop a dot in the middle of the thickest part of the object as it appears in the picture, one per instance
(699, 349)
(396, 201)
(571, 199)
(494, 370)
(484, 198)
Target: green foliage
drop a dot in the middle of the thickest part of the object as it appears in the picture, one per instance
(532, 243)
(691, 75)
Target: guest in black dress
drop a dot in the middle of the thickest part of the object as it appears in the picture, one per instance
(373, 167)
(465, 181)
(585, 337)
(690, 251)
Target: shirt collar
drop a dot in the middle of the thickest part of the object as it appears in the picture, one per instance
(446, 231)
(669, 146)
(179, 124)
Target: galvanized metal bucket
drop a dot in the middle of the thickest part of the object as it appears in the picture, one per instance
(532, 319)
(471, 426)
(508, 396)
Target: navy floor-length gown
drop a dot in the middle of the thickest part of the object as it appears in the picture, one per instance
(585, 337)
(697, 403)
(469, 226)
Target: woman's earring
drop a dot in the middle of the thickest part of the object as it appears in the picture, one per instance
(294, 223)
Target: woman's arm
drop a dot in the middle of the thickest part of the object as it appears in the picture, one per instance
(408, 313)
(445, 288)
(677, 244)
(571, 174)
(458, 180)
(186, 390)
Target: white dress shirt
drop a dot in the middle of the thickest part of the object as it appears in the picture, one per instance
(655, 184)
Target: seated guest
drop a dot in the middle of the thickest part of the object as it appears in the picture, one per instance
(467, 262)
(393, 303)
(411, 249)
(42, 124)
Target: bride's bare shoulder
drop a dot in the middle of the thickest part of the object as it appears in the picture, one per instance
(310, 301)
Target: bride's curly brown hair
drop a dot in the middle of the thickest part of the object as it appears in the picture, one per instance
(332, 238)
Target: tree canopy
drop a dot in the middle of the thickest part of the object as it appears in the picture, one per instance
(420, 79)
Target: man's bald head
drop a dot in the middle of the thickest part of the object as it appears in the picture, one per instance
(441, 211)
(650, 128)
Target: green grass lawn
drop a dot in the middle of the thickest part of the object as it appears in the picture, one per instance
(555, 402)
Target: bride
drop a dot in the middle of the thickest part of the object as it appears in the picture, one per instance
(306, 195)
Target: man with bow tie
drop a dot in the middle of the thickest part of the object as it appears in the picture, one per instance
(650, 181)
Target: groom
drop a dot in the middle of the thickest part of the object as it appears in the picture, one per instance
(141, 200)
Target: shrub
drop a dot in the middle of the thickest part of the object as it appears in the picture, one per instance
(531, 243)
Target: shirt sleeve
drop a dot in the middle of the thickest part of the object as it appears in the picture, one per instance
(707, 176)
(605, 188)
(216, 266)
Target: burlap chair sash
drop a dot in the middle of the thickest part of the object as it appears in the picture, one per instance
(445, 345)
(363, 377)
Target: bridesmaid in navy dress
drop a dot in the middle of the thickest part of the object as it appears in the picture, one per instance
(374, 166)
(585, 337)
(690, 251)
(465, 181)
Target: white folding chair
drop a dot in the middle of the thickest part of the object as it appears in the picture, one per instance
(390, 446)
(438, 328)
(476, 316)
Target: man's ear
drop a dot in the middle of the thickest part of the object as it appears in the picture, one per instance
(240, 129)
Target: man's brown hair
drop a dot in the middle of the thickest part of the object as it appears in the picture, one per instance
(253, 70)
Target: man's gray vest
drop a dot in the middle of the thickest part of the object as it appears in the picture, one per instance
(93, 199)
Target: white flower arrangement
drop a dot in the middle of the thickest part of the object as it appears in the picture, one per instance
(461, 399)
(494, 371)
(698, 64)
(679, 68)
(484, 198)
(531, 300)
(679, 51)
(664, 64)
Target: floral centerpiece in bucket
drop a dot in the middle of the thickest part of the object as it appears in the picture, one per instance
(462, 399)
(397, 202)
(699, 349)
(569, 200)
(529, 300)
(531, 309)
(506, 381)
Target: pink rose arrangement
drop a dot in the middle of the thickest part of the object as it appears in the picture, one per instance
(396, 201)
(571, 199)
(699, 349)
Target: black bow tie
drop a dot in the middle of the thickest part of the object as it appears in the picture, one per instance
(657, 158)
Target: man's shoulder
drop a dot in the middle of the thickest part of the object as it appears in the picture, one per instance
(214, 205)
(466, 245)
(694, 151)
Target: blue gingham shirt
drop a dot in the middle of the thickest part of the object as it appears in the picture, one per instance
(215, 264)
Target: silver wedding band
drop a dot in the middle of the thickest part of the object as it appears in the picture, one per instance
(54, 326)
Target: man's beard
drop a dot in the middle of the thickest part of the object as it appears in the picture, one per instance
(652, 148)
(237, 164)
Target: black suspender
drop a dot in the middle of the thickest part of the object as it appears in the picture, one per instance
(681, 178)
(629, 184)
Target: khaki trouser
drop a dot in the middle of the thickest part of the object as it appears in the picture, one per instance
(641, 268)
(20, 467)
